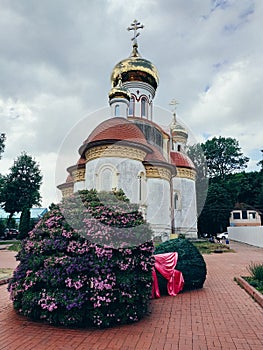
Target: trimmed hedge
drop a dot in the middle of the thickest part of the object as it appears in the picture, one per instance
(190, 262)
(66, 279)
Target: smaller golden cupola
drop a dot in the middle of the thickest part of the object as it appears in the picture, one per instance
(119, 100)
(179, 134)
(119, 91)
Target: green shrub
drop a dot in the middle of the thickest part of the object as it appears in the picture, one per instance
(66, 279)
(190, 263)
(256, 270)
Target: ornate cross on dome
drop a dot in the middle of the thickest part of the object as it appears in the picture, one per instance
(135, 25)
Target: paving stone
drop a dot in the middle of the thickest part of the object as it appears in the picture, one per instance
(219, 316)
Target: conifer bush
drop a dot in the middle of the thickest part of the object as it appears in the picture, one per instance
(190, 262)
(88, 262)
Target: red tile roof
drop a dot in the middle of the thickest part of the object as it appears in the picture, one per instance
(118, 129)
(69, 179)
(181, 160)
(81, 161)
(150, 122)
(156, 155)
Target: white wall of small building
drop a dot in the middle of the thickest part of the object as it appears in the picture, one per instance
(252, 235)
(252, 218)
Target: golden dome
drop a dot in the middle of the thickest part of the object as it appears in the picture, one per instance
(179, 130)
(135, 68)
(119, 91)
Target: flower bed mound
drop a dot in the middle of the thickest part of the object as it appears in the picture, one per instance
(190, 262)
(66, 279)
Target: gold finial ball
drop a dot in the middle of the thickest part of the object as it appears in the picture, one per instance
(135, 68)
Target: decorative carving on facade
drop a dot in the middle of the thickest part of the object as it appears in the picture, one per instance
(186, 173)
(67, 191)
(158, 172)
(118, 151)
(79, 175)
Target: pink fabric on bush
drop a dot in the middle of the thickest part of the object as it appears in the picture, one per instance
(165, 264)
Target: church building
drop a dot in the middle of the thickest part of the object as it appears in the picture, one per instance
(130, 151)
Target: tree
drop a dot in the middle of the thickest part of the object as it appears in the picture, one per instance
(24, 224)
(215, 215)
(21, 186)
(2, 143)
(223, 156)
(197, 156)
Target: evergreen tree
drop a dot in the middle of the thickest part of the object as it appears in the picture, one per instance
(215, 215)
(197, 156)
(223, 156)
(24, 224)
(21, 186)
(2, 144)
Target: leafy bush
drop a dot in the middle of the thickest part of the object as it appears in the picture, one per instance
(77, 268)
(190, 263)
(256, 270)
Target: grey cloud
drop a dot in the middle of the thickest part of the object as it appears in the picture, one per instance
(57, 56)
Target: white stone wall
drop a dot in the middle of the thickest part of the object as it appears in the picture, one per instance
(252, 235)
(144, 90)
(125, 175)
(123, 107)
(158, 205)
(79, 186)
(185, 215)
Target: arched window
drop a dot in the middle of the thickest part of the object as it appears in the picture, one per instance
(144, 107)
(107, 178)
(117, 111)
(177, 201)
(131, 106)
(142, 187)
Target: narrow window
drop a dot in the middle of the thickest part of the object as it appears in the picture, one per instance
(142, 193)
(236, 215)
(131, 106)
(176, 200)
(117, 111)
(143, 107)
(244, 214)
(179, 148)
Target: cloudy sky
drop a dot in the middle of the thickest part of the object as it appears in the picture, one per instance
(57, 56)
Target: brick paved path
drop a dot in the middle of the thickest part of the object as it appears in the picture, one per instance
(220, 316)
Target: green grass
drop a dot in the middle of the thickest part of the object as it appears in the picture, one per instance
(12, 245)
(15, 246)
(206, 247)
(6, 242)
(5, 273)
